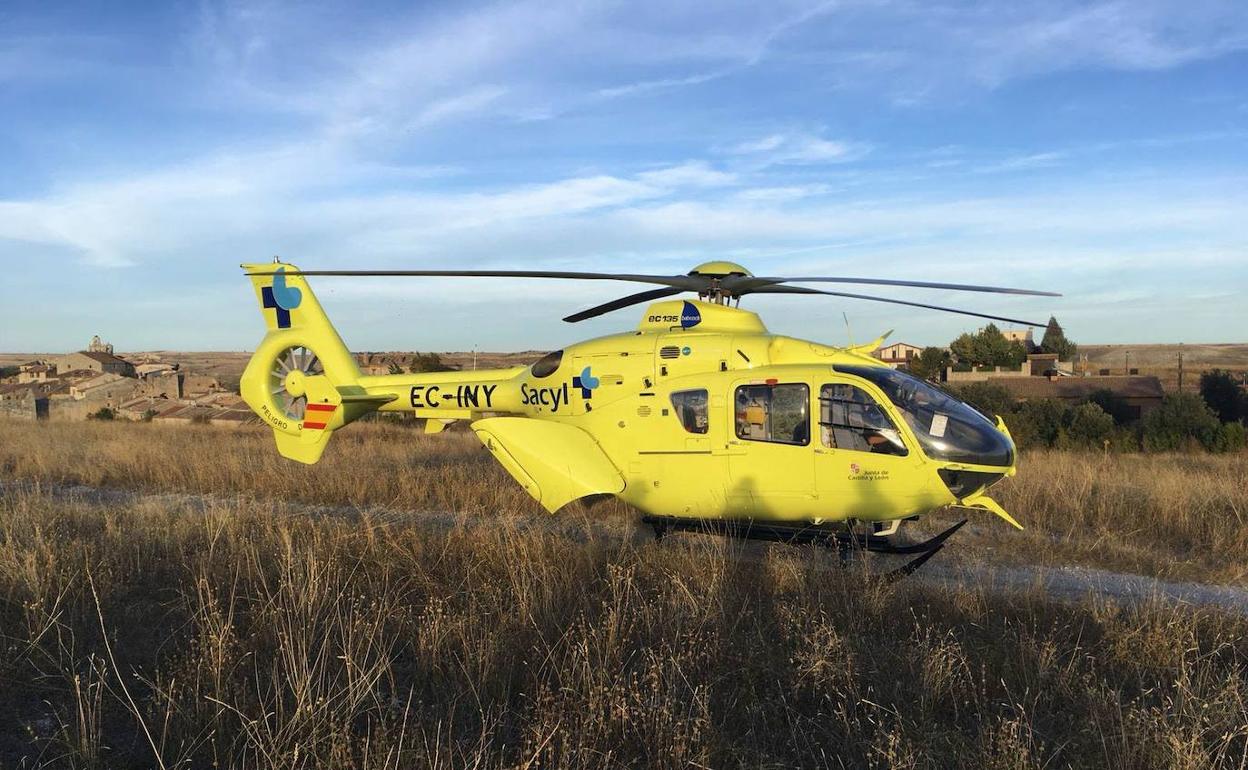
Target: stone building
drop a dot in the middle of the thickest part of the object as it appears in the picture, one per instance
(96, 361)
(23, 401)
(194, 385)
(167, 384)
(86, 397)
(101, 387)
(35, 371)
(32, 400)
(149, 368)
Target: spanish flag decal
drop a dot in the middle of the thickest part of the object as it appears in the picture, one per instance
(318, 415)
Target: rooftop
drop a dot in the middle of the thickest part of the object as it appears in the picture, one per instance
(1075, 388)
(104, 358)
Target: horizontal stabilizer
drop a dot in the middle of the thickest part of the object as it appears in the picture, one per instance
(872, 346)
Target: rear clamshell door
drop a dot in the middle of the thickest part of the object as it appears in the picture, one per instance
(556, 463)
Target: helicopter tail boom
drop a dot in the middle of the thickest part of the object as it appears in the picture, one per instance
(301, 380)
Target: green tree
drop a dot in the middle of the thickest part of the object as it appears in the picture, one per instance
(930, 363)
(965, 349)
(1223, 395)
(395, 368)
(988, 347)
(1054, 341)
(1037, 423)
(1182, 418)
(1087, 425)
(1231, 437)
(103, 413)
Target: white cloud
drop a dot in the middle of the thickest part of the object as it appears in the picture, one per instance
(423, 67)
(1025, 162)
(290, 197)
(643, 86)
(764, 144)
(691, 174)
(1138, 35)
(783, 194)
(471, 102)
(799, 148)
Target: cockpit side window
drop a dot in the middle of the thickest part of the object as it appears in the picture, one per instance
(775, 413)
(850, 419)
(548, 364)
(691, 409)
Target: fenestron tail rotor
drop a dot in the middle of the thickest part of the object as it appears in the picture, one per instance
(287, 380)
(719, 282)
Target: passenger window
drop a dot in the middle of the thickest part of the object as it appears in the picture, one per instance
(851, 419)
(775, 413)
(691, 409)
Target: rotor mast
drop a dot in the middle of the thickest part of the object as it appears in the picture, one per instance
(715, 272)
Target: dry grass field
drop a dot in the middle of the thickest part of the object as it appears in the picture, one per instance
(1174, 516)
(214, 622)
(1228, 355)
(1162, 361)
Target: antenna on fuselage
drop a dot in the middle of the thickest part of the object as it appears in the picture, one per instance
(848, 334)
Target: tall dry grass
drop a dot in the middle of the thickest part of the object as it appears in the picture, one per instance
(171, 635)
(1180, 516)
(369, 464)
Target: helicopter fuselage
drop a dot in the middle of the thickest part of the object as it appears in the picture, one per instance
(701, 413)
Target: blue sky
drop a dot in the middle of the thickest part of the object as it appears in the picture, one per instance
(1099, 149)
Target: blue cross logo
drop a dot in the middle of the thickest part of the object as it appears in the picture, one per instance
(586, 382)
(281, 298)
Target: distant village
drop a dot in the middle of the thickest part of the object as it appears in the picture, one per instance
(96, 383)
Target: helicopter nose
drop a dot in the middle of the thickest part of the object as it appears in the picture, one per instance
(1005, 431)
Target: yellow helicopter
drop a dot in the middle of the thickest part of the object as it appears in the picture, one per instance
(699, 417)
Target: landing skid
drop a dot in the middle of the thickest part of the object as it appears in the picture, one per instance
(845, 541)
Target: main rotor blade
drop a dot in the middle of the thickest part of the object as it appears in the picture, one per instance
(738, 284)
(684, 282)
(804, 290)
(616, 304)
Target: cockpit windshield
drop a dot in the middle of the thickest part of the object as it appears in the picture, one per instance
(947, 428)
